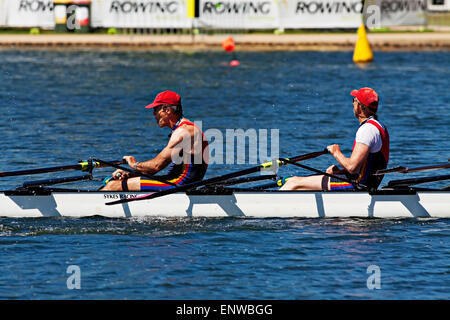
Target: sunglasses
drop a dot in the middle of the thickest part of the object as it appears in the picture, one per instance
(158, 108)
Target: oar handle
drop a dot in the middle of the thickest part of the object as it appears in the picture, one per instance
(91, 164)
(295, 159)
(309, 155)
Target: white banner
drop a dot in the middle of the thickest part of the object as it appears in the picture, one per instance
(29, 13)
(140, 14)
(239, 14)
(296, 14)
(400, 12)
(2, 13)
(227, 14)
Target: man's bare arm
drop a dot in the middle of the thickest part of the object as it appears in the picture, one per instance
(356, 160)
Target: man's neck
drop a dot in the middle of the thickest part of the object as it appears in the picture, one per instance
(362, 119)
(173, 122)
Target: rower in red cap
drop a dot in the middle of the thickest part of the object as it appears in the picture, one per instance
(186, 152)
(370, 152)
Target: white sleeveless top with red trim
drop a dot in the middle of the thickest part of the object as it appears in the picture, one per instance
(375, 135)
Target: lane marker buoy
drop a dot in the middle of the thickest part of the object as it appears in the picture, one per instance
(363, 51)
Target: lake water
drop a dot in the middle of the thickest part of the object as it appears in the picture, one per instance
(61, 106)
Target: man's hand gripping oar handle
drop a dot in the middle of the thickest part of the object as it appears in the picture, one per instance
(134, 172)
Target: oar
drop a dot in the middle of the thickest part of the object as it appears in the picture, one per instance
(82, 165)
(218, 179)
(138, 173)
(49, 182)
(278, 183)
(235, 181)
(401, 169)
(414, 181)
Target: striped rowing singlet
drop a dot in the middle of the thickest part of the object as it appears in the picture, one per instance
(182, 173)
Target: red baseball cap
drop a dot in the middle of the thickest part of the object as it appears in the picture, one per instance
(367, 96)
(166, 97)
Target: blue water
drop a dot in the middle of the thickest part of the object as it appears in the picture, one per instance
(62, 106)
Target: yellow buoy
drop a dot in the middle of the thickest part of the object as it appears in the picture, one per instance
(363, 52)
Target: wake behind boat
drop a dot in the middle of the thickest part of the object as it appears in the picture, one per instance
(219, 197)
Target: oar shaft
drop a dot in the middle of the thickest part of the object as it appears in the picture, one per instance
(202, 183)
(309, 156)
(426, 168)
(41, 170)
(216, 179)
(82, 165)
(49, 182)
(326, 174)
(402, 169)
(188, 186)
(235, 181)
(414, 181)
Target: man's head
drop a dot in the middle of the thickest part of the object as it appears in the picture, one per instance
(166, 108)
(366, 99)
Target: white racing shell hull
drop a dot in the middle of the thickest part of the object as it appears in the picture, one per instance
(267, 204)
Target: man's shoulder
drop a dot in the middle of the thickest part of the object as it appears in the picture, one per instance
(375, 122)
(187, 126)
(372, 125)
(367, 127)
(367, 132)
(183, 130)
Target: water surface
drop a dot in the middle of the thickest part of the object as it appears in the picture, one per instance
(62, 106)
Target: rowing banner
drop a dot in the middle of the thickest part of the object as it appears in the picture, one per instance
(226, 14)
(140, 14)
(296, 14)
(396, 12)
(28, 13)
(239, 14)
